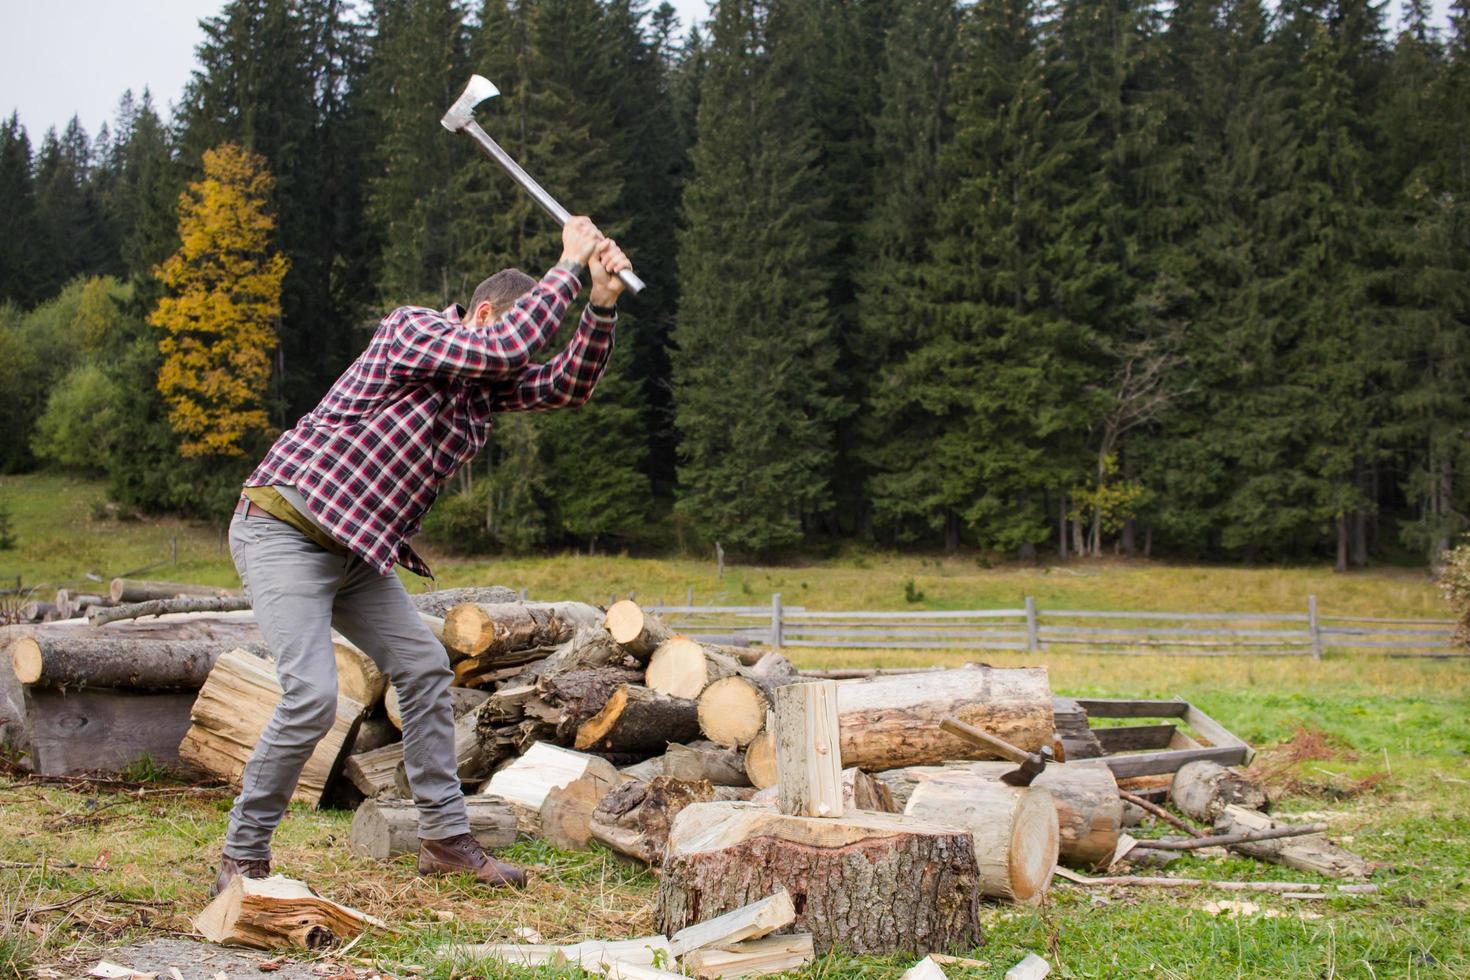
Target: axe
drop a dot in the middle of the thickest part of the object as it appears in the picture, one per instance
(1031, 763)
(461, 119)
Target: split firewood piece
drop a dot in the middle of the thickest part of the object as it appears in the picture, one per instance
(622, 970)
(636, 720)
(264, 913)
(1014, 829)
(1089, 810)
(463, 699)
(141, 590)
(925, 969)
(808, 764)
(634, 819)
(634, 630)
(374, 772)
(861, 791)
(489, 630)
(1203, 790)
(752, 958)
(358, 677)
(893, 721)
(1285, 887)
(705, 760)
(382, 829)
(1314, 854)
(875, 883)
(732, 711)
(233, 707)
(566, 813)
(1033, 967)
(760, 759)
(682, 668)
(749, 922)
(527, 782)
(117, 661)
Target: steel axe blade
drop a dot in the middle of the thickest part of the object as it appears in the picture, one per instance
(461, 119)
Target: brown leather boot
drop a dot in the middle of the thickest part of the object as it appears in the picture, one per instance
(463, 854)
(229, 868)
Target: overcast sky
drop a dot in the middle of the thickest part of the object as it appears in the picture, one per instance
(60, 58)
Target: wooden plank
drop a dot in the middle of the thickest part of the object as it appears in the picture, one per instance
(104, 729)
(1154, 763)
(1216, 733)
(1448, 623)
(1131, 708)
(1134, 737)
(1163, 631)
(899, 645)
(1246, 617)
(797, 613)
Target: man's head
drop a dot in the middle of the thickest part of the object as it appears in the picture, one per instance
(496, 295)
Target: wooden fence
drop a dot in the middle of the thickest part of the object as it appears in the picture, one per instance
(1031, 629)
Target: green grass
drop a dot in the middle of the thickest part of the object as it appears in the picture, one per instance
(1378, 746)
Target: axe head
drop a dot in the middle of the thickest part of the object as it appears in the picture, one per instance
(462, 112)
(1033, 766)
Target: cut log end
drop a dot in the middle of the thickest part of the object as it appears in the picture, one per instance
(591, 731)
(625, 621)
(678, 668)
(732, 711)
(760, 761)
(1014, 829)
(467, 629)
(25, 657)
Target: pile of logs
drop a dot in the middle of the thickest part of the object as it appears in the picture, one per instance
(737, 775)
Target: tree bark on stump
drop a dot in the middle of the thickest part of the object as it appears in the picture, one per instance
(636, 720)
(868, 883)
(889, 722)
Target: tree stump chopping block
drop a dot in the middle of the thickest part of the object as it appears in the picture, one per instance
(867, 883)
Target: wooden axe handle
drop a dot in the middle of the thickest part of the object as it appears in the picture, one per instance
(970, 733)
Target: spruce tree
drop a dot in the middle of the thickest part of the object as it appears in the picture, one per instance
(22, 277)
(754, 394)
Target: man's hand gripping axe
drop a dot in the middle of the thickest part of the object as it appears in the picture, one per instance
(461, 119)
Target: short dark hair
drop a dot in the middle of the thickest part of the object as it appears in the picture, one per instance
(501, 290)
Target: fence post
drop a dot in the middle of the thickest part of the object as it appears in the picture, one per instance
(777, 640)
(1314, 628)
(689, 596)
(1033, 640)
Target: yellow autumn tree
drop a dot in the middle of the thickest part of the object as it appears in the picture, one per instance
(222, 303)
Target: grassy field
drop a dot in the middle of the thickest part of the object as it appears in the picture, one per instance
(1377, 747)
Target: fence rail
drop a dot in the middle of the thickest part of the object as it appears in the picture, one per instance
(1034, 630)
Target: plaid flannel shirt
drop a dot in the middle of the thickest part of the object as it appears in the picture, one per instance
(401, 420)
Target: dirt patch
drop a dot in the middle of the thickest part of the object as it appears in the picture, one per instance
(203, 961)
(1284, 768)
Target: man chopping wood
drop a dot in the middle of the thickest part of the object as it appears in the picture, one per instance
(330, 510)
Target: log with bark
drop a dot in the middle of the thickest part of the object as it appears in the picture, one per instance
(732, 710)
(382, 829)
(1314, 854)
(1089, 812)
(638, 721)
(265, 913)
(490, 631)
(577, 695)
(233, 707)
(682, 668)
(1014, 829)
(760, 760)
(705, 760)
(358, 677)
(636, 631)
(142, 590)
(53, 660)
(893, 721)
(866, 883)
(1203, 790)
(102, 615)
(440, 602)
(634, 819)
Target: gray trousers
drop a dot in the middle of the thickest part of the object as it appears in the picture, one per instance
(300, 592)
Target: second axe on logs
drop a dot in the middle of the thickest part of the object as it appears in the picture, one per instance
(1030, 764)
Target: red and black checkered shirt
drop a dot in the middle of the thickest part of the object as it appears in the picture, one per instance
(414, 406)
